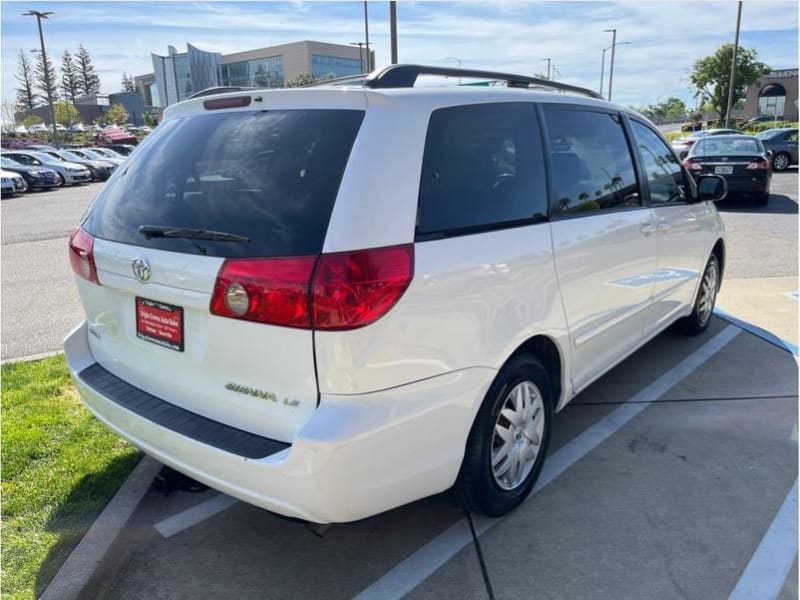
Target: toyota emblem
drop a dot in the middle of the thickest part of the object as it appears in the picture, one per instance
(141, 268)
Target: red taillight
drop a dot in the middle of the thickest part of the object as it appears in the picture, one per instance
(689, 142)
(268, 290)
(81, 255)
(692, 166)
(759, 164)
(338, 291)
(353, 289)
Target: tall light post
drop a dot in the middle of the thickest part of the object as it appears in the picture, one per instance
(39, 16)
(458, 60)
(548, 67)
(366, 37)
(393, 29)
(603, 65)
(732, 81)
(613, 33)
(360, 53)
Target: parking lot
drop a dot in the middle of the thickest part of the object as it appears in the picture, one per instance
(669, 477)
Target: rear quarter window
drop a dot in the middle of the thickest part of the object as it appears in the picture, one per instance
(271, 176)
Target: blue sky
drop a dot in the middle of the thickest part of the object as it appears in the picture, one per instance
(666, 36)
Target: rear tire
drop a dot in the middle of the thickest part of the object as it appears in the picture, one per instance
(511, 430)
(697, 322)
(781, 161)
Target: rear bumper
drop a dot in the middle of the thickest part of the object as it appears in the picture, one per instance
(356, 456)
(748, 183)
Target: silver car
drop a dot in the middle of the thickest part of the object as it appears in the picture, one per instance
(69, 173)
(100, 169)
(107, 154)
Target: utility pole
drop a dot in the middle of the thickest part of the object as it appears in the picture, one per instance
(611, 68)
(360, 53)
(732, 81)
(366, 37)
(39, 16)
(548, 67)
(393, 29)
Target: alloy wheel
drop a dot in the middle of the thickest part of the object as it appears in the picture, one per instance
(518, 434)
(708, 292)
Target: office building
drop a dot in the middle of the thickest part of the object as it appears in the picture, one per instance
(178, 75)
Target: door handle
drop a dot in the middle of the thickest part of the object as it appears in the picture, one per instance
(664, 226)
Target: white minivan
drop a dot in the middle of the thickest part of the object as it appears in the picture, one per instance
(334, 300)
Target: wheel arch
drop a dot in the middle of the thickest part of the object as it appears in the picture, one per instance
(719, 251)
(546, 349)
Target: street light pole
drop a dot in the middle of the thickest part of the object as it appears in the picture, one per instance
(366, 37)
(548, 67)
(393, 29)
(602, 70)
(39, 16)
(611, 67)
(732, 81)
(360, 53)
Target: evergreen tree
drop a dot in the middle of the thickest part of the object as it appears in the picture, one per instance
(128, 84)
(88, 80)
(69, 77)
(26, 96)
(46, 78)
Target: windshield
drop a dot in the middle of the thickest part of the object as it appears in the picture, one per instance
(106, 153)
(72, 156)
(770, 133)
(270, 176)
(727, 146)
(42, 157)
(94, 154)
(7, 162)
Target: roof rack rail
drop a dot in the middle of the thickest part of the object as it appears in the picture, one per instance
(401, 76)
(212, 91)
(347, 79)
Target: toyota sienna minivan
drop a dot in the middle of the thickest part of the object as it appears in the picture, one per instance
(335, 300)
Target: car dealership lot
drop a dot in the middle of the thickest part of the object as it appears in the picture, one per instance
(671, 495)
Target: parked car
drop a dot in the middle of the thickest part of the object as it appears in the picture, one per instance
(77, 128)
(98, 154)
(36, 177)
(21, 130)
(99, 170)
(740, 159)
(287, 308)
(783, 145)
(38, 128)
(68, 173)
(759, 119)
(108, 153)
(12, 183)
(684, 144)
(121, 149)
(40, 147)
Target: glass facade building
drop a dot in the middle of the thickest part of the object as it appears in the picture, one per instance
(336, 66)
(178, 75)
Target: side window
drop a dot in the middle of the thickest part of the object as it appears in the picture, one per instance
(483, 166)
(664, 173)
(21, 158)
(591, 162)
(792, 137)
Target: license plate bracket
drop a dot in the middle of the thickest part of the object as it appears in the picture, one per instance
(723, 170)
(159, 323)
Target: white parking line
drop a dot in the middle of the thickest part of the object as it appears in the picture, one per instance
(412, 571)
(192, 516)
(770, 564)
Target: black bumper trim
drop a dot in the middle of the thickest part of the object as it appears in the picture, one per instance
(177, 419)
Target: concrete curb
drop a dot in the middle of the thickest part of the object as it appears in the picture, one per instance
(31, 357)
(82, 562)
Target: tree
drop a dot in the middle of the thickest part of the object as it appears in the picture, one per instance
(66, 113)
(128, 84)
(26, 97)
(46, 78)
(32, 120)
(149, 119)
(301, 80)
(116, 114)
(88, 80)
(711, 75)
(70, 85)
(671, 109)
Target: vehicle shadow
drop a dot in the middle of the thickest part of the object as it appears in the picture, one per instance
(779, 204)
(74, 515)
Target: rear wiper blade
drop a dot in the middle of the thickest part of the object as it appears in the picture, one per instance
(157, 231)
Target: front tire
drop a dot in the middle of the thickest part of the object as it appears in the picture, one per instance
(61, 181)
(781, 161)
(697, 322)
(508, 441)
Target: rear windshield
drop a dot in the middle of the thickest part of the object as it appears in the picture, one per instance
(271, 176)
(722, 146)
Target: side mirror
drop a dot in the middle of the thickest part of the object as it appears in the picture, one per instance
(769, 153)
(711, 188)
